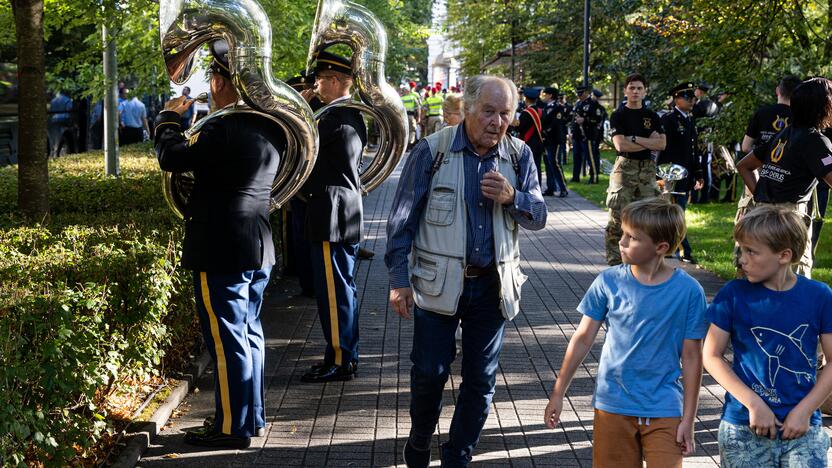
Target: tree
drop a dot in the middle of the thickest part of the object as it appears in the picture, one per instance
(33, 168)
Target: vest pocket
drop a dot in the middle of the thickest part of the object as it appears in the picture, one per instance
(441, 206)
(428, 273)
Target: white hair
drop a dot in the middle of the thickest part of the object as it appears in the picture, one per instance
(475, 84)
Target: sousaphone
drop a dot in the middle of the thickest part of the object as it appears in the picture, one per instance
(345, 22)
(185, 26)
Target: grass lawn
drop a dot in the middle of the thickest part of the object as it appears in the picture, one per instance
(709, 231)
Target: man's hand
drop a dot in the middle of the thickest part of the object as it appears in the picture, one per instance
(496, 187)
(551, 415)
(308, 94)
(179, 105)
(685, 437)
(796, 423)
(699, 184)
(762, 420)
(401, 299)
(579, 119)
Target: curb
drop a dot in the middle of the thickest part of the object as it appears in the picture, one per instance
(141, 433)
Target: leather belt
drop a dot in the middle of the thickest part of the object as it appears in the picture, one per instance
(475, 271)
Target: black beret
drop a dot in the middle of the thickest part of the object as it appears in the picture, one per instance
(219, 50)
(683, 90)
(581, 89)
(329, 61)
(704, 87)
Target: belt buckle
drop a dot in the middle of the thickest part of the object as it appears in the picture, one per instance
(466, 274)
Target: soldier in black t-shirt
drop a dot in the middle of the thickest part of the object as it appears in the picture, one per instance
(766, 122)
(636, 131)
(790, 164)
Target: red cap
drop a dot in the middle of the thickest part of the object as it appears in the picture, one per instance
(412, 84)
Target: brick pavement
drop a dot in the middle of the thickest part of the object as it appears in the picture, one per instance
(365, 422)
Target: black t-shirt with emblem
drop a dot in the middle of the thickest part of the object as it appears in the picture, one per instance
(639, 122)
(768, 121)
(793, 161)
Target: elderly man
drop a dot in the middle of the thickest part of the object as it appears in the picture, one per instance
(453, 251)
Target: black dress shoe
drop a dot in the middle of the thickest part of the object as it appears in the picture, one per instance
(330, 373)
(209, 422)
(548, 193)
(415, 458)
(689, 259)
(365, 254)
(563, 194)
(211, 437)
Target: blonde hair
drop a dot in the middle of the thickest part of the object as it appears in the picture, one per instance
(659, 219)
(778, 228)
(453, 102)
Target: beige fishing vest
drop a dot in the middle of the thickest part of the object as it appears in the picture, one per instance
(437, 260)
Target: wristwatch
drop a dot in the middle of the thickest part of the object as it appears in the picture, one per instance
(633, 138)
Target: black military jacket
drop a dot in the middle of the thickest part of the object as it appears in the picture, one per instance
(333, 190)
(680, 132)
(234, 160)
(593, 114)
(553, 121)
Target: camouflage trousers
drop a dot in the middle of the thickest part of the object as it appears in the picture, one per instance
(804, 266)
(630, 180)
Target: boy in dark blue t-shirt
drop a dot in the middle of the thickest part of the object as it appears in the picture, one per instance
(773, 320)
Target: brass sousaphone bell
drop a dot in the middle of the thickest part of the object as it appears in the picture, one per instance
(185, 26)
(344, 22)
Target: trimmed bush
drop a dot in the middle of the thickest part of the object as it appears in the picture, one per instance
(89, 300)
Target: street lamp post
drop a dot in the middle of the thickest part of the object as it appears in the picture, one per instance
(586, 43)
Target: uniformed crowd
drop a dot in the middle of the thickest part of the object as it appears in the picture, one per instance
(466, 189)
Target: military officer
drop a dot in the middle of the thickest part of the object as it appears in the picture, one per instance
(228, 246)
(551, 118)
(333, 221)
(680, 130)
(584, 132)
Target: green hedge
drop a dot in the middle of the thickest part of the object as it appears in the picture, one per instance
(88, 300)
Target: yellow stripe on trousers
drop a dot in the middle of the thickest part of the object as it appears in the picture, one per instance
(222, 369)
(333, 304)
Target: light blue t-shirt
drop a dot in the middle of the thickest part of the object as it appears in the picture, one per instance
(774, 335)
(133, 113)
(639, 372)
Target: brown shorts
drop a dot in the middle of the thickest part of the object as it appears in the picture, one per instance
(624, 441)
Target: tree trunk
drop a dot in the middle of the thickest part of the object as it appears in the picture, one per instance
(33, 159)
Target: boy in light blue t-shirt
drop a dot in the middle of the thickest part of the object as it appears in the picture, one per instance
(656, 318)
(773, 320)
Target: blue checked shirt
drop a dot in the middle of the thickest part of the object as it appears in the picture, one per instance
(528, 209)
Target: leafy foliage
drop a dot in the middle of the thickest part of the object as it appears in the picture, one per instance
(742, 48)
(88, 301)
(74, 46)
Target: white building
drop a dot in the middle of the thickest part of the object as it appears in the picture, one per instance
(443, 65)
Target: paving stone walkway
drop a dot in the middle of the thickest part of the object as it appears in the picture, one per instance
(365, 422)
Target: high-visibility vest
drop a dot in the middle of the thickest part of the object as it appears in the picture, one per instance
(410, 101)
(434, 104)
